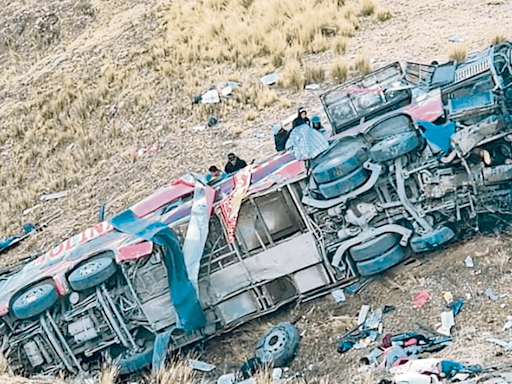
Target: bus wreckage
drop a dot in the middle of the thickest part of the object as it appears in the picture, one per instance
(419, 155)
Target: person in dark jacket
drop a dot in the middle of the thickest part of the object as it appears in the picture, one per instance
(234, 164)
(280, 136)
(302, 118)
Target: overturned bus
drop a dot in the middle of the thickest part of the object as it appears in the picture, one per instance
(175, 269)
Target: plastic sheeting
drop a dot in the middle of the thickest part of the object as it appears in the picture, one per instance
(197, 231)
(190, 315)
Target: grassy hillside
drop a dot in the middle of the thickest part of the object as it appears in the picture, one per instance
(86, 83)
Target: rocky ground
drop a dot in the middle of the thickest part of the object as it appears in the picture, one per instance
(418, 31)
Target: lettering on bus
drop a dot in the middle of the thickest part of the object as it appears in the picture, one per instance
(71, 243)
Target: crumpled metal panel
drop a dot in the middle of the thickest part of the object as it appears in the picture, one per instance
(237, 307)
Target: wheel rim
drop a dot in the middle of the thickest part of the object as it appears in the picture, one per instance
(90, 268)
(32, 295)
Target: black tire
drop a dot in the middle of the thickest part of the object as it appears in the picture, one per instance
(395, 146)
(35, 300)
(375, 247)
(135, 362)
(381, 263)
(341, 159)
(392, 126)
(279, 345)
(345, 184)
(92, 273)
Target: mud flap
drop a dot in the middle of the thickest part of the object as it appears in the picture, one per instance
(431, 240)
(160, 349)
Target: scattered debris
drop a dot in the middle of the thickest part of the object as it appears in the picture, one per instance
(201, 365)
(228, 89)
(469, 262)
(270, 79)
(198, 128)
(502, 343)
(447, 322)
(143, 151)
(212, 120)
(53, 196)
(277, 373)
(508, 324)
(455, 39)
(30, 210)
(210, 97)
(448, 298)
(457, 306)
(363, 312)
(228, 378)
(338, 295)
(421, 298)
(312, 86)
(489, 292)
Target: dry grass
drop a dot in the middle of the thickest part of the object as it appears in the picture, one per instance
(362, 64)
(383, 14)
(313, 73)
(339, 70)
(339, 45)
(65, 114)
(367, 7)
(458, 53)
(498, 37)
(291, 76)
(176, 371)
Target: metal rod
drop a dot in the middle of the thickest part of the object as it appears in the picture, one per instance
(55, 344)
(132, 290)
(63, 340)
(119, 318)
(111, 319)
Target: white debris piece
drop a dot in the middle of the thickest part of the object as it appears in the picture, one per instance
(447, 322)
(469, 262)
(270, 79)
(338, 295)
(210, 97)
(228, 378)
(363, 312)
(201, 365)
(52, 196)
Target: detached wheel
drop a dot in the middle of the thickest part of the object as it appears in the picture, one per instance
(343, 158)
(35, 300)
(345, 184)
(92, 273)
(375, 247)
(381, 263)
(395, 146)
(135, 362)
(279, 345)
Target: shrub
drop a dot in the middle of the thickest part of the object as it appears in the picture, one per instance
(339, 44)
(362, 64)
(367, 7)
(458, 53)
(339, 71)
(291, 76)
(384, 14)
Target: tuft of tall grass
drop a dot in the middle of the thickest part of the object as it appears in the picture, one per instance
(291, 76)
(384, 14)
(498, 37)
(458, 53)
(339, 45)
(313, 73)
(362, 64)
(368, 7)
(339, 71)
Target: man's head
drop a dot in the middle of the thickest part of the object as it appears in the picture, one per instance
(214, 170)
(302, 112)
(315, 120)
(232, 158)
